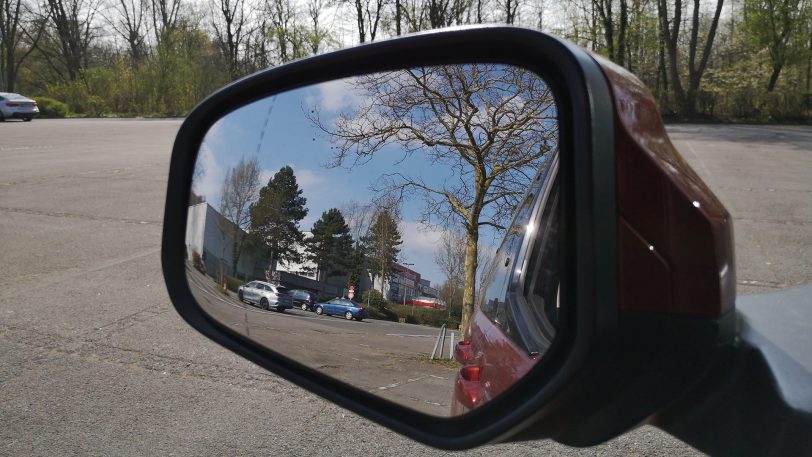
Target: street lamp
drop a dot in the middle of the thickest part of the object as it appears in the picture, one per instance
(404, 288)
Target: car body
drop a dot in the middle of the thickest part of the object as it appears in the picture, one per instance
(16, 106)
(510, 332)
(304, 299)
(342, 307)
(265, 295)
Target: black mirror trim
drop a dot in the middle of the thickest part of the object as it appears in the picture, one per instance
(588, 194)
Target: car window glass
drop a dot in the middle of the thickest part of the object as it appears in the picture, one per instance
(492, 301)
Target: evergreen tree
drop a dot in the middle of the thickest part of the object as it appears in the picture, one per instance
(330, 247)
(276, 215)
(382, 246)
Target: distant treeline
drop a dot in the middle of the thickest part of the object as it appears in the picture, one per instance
(748, 60)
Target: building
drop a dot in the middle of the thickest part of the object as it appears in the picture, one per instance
(401, 284)
(210, 235)
(305, 268)
(425, 288)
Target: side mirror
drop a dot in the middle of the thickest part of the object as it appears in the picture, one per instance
(610, 281)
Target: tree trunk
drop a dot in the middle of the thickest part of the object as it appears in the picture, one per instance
(469, 292)
(774, 77)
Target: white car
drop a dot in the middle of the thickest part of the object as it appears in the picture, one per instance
(17, 106)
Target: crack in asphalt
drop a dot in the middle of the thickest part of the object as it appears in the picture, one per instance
(106, 173)
(35, 212)
(97, 352)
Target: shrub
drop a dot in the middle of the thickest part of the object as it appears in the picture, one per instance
(197, 262)
(51, 108)
(233, 283)
(374, 298)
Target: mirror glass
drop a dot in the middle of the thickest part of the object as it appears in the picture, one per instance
(396, 231)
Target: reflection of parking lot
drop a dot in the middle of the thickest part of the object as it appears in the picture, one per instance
(382, 357)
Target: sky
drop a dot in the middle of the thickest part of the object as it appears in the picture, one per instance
(277, 130)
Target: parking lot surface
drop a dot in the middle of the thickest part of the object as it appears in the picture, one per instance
(95, 361)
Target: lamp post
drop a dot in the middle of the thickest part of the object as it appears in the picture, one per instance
(404, 288)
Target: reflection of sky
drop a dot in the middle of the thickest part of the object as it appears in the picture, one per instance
(277, 131)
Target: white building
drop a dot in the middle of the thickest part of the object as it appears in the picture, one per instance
(304, 268)
(210, 235)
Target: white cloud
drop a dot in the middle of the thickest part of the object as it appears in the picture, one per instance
(337, 95)
(419, 246)
(307, 179)
(210, 181)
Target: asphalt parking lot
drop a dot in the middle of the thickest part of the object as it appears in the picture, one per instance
(95, 361)
(385, 358)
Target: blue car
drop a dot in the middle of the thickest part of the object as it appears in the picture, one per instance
(342, 307)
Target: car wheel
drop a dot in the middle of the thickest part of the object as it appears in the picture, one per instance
(27, 119)
(279, 309)
(304, 306)
(319, 311)
(348, 316)
(263, 303)
(239, 295)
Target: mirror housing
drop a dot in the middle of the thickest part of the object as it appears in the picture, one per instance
(612, 365)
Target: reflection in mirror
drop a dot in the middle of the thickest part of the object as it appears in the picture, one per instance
(396, 231)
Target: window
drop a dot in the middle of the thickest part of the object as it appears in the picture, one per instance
(520, 292)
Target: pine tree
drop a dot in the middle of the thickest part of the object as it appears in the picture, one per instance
(330, 248)
(382, 246)
(276, 215)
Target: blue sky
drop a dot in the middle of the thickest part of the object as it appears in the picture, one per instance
(277, 131)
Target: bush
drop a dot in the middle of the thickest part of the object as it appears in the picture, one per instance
(197, 262)
(51, 108)
(233, 283)
(374, 298)
(423, 316)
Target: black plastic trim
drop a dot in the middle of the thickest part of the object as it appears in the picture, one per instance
(588, 201)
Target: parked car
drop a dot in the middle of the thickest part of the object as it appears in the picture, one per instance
(342, 307)
(304, 299)
(265, 295)
(16, 106)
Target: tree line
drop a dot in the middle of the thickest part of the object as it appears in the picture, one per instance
(266, 221)
(740, 59)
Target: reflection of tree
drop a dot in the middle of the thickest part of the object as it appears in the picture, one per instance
(330, 247)
(276, 215)
(381, 245)
(239, 190)
(490, 125)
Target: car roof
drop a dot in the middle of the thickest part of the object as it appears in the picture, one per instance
(12, 95)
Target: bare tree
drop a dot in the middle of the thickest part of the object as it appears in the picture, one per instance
(18, 38)
(230, 22)
(671, 29)
(368, 15)
(489, 125)
(165, 18)
(615, 23)
(72, 29)
(128, 19)
(285, 29)
(318, 33)
(240, 189)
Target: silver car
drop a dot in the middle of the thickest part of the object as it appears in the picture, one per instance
(265, 295)
(17, 106)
